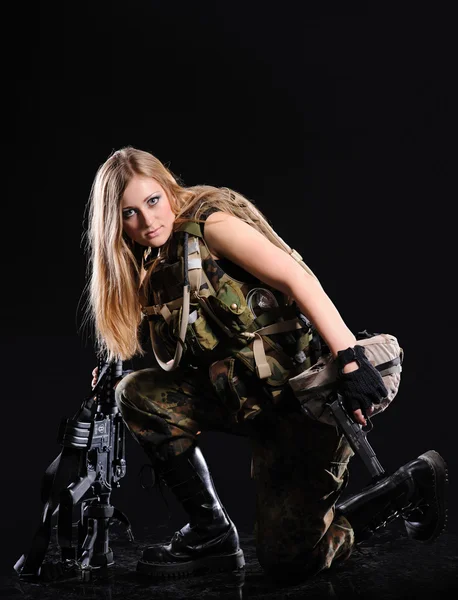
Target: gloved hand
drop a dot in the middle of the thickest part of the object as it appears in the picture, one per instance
(360, 388)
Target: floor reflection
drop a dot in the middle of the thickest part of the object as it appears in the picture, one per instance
(390, 566)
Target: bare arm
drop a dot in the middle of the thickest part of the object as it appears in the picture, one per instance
(232, 238)
(229, 237)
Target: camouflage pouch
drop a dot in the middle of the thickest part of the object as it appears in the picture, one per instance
(201, 331)
(230, 306)
(227, 384)
(229, 380)
(314, 386)
(280, 364)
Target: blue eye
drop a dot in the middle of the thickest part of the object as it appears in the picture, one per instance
(128, 212)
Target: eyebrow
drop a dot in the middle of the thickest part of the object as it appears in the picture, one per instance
(150, 195)
(144, 200)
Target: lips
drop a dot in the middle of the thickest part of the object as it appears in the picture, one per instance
(153, 232)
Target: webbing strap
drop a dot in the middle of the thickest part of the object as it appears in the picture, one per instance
(194, 265)
(391, 366)
(391, 370)
(156, 309)
(263, 370)
(192, 273)
(193, 245)
(158, 350)
(165, 312)
(281, 327)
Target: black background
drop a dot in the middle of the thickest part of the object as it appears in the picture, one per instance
(336, 122)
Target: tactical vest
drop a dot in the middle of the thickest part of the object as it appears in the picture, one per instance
(199, 314)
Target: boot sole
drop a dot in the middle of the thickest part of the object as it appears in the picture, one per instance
(440, 474)
(206, 564)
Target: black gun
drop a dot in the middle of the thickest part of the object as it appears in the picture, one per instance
(82, 476)
(356, 437)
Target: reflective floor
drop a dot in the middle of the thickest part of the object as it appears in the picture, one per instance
(388, 566)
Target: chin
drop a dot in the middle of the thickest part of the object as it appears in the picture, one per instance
(159, 240)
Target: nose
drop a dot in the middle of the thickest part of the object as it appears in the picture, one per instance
(147, 219)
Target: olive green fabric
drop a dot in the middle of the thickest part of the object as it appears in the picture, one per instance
(191, 227)
(220, 318)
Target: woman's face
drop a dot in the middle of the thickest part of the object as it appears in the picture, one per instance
(146, 212)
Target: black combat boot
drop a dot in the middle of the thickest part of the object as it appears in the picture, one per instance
(416, 492)
(209, 542)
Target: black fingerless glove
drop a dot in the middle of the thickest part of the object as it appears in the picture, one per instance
(364, 386)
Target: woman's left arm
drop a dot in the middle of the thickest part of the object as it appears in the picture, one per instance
(227, 236)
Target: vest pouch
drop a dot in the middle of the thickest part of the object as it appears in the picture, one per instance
(227, 385)
(280, 365)
(227, 378)
(166, 283)
(230, 306)
(201, 331)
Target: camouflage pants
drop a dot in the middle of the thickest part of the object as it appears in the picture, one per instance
(299, 465)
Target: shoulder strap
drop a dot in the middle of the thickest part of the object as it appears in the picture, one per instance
(191, 227)
(192, 280)
(194, 263)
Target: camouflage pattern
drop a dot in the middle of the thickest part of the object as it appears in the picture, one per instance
(299, 465)
(221, 316)
(165, 412)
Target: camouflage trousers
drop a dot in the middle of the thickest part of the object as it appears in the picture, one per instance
(299, 465)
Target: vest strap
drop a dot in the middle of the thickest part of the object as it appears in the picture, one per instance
(165, 312)
(156, 309)
(194, 263)
(191, 227)
(195, 273)
(171, 365)
(281, 327)
(193, 246)
(391, 366)
(263, 370)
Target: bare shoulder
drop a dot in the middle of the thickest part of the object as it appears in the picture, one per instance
(223, 230)
(219, 217)
(214, 218)
(229, 237)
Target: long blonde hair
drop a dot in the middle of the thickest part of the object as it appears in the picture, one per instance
(114, 265)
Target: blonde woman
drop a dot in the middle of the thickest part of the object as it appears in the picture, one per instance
(231, 311)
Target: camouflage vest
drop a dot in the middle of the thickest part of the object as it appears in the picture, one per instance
(252, 322)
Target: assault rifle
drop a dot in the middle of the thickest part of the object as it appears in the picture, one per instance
(82, 476)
